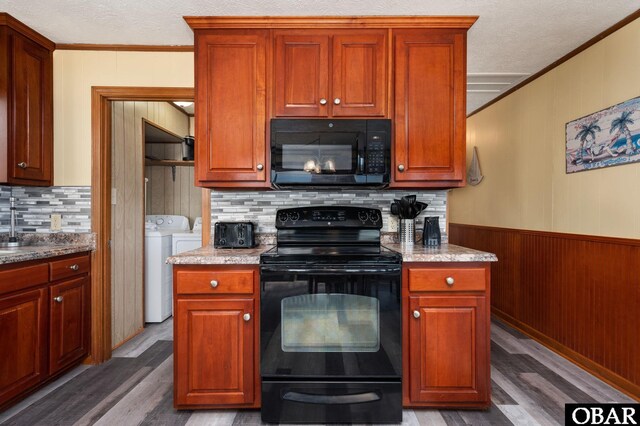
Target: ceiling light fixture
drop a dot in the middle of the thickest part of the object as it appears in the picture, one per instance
(182, 104)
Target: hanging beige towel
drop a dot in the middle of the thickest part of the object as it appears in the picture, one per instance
(474, 176)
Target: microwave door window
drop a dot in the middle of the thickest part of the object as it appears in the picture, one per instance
(317, 153)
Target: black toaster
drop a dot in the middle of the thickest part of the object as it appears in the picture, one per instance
(234, 235)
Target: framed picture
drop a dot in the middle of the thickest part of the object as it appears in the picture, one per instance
(606, 138)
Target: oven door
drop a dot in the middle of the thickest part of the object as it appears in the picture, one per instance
(317, 152)
(330, 322)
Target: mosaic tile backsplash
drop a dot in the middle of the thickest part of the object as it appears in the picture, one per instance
(35, 206)
(260, 206)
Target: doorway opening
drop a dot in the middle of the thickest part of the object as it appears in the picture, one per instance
(122, 118)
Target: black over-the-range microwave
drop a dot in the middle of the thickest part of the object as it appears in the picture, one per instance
(327, 153)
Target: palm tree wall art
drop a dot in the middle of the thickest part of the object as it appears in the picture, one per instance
(606, 138)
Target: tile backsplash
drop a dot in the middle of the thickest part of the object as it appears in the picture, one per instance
(260, 206)
(35, 206)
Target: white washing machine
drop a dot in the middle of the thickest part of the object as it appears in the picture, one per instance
(158, 278)
(190, 240)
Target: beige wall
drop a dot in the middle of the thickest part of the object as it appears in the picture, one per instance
(521, 144)
(75, 72)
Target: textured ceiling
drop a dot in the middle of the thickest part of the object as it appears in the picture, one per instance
(512, 37)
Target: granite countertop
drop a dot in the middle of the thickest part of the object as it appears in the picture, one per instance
(208, 255)
(444, 253)
(417, 253)
(43, 246)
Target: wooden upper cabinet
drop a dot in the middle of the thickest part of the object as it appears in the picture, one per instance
(302, 75)
(330, 74)
(231, 72)
(430, 90)
(359, 74)
(26, 124)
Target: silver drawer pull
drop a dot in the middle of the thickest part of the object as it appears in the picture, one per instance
(416, 314)
(214, 283)
(74, 267)
(246, 317)
(22, 165)
(58, 299)
(450, 281)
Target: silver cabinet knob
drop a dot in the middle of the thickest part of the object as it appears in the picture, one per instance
(74, 267)
(214, 283)
(22, 165)
(323, 101)
(450, 280)
(336, 101)
(260, 166)
(58, 299)
(401, 167)
(246, 317)
(416, 314)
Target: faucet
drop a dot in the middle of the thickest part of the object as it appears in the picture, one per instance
(12, 211)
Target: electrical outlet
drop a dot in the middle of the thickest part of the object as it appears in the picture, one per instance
(392, 223)
(56, 222)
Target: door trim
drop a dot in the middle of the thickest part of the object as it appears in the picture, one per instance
(101, 98)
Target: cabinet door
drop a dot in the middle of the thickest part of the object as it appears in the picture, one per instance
(359, 74)
(31, 144)
(23, 333)
(448, 349)
(214, 352)
(231, 107)
(429, 107)
(69, 325)
(301, 75)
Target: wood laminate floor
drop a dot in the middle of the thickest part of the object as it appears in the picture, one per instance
(530, 386)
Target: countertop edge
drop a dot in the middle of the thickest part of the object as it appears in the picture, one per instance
(44, 252)
(411, 254)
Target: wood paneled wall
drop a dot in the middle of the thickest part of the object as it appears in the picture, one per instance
(127, 218)
(166, 196)
(578, 294)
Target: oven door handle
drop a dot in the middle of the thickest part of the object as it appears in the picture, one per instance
(308, 398)
(341, 270)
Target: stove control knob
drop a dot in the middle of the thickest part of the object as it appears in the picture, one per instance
(294, 216)
(374, 216)
(283, 217)
(159, 221)
(362, 215)
(241, 242)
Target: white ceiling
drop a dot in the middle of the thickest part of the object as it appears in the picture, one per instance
(511, 40)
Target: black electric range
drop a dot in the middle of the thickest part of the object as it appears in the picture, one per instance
(330, 328)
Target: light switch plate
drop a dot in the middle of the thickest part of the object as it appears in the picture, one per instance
(56, 222)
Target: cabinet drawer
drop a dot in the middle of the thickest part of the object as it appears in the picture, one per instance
(215, 282)
(442, 279)
(26, 276)
(69, 267)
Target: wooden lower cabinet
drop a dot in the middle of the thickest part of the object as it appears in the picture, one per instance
(23, 336)
(69, 326)
(215, 338)
(447, 348)
(44, 324)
